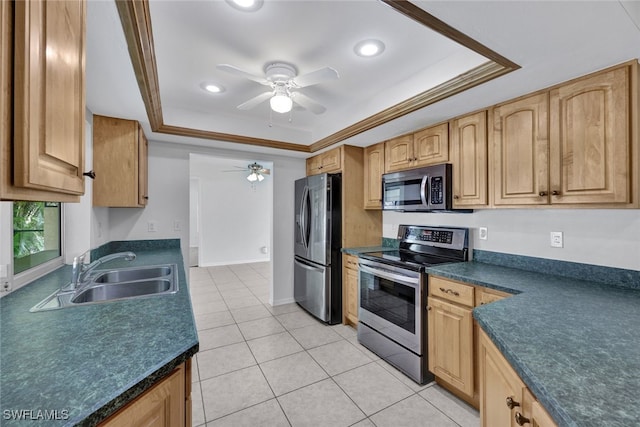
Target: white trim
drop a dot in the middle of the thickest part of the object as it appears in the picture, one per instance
(249, 261)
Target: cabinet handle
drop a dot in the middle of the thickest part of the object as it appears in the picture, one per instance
(542, 193)
(512, 403)
(456, 197)
(450, 291)
(428, 308)
(521, 419)
(555, 193)
(90, 174)
(146, 197)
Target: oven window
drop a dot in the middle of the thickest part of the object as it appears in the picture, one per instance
(392, 301)
(402, 193)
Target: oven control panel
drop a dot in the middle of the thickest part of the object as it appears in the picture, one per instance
(442, 237)
(429, 235)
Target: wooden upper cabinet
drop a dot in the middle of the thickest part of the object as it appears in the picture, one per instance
(590, 146)
(468, 142)
(398, 153)
(431, 145)
(373, 170)
(327, 162)
(426, 147)
(48, 115)
(120, 163)
(519, 151)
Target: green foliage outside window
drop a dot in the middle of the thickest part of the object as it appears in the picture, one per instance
(36, 234)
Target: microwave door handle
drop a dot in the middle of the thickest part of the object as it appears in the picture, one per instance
(423, 190)
(413, 281)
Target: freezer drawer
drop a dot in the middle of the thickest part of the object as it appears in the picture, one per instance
(312, 288)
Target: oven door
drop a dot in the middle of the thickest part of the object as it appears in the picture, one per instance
(390, 302)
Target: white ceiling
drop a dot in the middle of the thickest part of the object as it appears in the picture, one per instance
(551, 41)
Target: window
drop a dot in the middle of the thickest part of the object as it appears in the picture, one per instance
(36, 234)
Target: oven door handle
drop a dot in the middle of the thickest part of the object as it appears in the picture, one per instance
(413, 281)
(423, 190)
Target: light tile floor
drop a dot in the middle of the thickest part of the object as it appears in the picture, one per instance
(260, 365)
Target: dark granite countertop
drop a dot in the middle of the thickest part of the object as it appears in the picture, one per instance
(83, 363)
(575, 343)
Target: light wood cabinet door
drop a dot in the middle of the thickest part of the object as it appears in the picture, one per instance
(468, 141)
(328, 162)
(352, 295)
(590, 142)
(373, 170)
(498, 382)
(143, 168)
(520, 149)
(48, 98)
(163, 405)
(431, 145)
(451, 344)
(331, 161)
(120, 163)
(399, 153)
(350, 285)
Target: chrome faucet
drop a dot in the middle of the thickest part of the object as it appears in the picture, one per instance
(80, 270)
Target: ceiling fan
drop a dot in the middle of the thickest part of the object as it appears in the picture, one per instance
(284, 83)
(256, 171)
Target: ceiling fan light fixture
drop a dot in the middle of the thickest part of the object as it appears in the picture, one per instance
(260, 177)
(369, 48)
(253, 177)
(281, 103)
(246, 5)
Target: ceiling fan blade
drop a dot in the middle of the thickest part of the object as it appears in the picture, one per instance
(238, 72)
(264, 171)
(316, 77)
(255, 101)
(308, 103)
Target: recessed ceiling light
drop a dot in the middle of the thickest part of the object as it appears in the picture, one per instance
(246, 5)
(212, 87)
(369, 48)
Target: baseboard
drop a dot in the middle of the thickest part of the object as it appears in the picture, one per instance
(249, 261)
(281, 301)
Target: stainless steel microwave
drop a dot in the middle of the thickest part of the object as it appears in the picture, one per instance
(424, 189)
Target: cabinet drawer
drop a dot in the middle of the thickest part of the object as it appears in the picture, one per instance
(484, 296)
(451, 291)
(350, 261)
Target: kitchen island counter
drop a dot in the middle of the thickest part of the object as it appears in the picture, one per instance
(78, 365)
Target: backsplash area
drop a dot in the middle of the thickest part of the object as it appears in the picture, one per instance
(602, 237)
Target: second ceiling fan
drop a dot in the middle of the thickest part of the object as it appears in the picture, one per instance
(284, 82)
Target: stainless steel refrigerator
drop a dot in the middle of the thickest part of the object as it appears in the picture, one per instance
(318, 236)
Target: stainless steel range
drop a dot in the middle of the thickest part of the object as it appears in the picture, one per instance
(393, 293)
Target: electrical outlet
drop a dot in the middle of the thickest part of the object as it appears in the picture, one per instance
(177, 225)
(5, 286)
(556, 239)
(483, 233)
(3, 270)
(152, 226)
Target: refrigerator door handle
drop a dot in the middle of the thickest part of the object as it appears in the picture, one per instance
(423, 190)
(302, 224)
(307, 217)
(307, 266)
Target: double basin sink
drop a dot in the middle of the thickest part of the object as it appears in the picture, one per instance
(115, 284)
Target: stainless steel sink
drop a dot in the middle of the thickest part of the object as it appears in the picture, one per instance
(130, 274)
(116, 284)
(122, 290)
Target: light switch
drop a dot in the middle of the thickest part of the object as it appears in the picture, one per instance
(152, 226)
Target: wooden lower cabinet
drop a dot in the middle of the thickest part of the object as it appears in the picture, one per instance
(350, 288)
(166, 404)
(453, 334)
(451, 344)
(505, 401)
